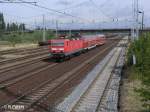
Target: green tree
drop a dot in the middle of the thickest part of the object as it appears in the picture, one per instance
(8, 27)
(22, 27)
(2, 22)
(14, 27)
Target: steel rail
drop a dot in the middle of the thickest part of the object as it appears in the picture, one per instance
(21, 58)
(71, 103)
(12, 77)
(69, 75)
(48, 87)
(22, 64)
(92, 94)
(25, 76)
(14, 51)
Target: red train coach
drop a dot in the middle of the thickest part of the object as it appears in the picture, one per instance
(91, 41)
(62, 48)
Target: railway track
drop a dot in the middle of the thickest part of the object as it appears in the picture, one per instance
(21, 51)
(109, 100)
(40, 49)
(47, 86)
(46, 107)
(40, 91)
(91, 98)
(87, 96)
(20, 54)
(32, 69)
(21, 64)
(7, 65)
(23, 58)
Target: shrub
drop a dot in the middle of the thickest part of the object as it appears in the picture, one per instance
(141, 49)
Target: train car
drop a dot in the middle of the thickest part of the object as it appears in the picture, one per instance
(91, 41)
(61, 48)
(101, 39)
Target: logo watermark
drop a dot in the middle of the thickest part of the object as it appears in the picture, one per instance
(13, 107)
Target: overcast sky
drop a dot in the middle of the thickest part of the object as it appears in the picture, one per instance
(87, 11)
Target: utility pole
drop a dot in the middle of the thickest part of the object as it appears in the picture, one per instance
(70, 32)
(44, 39)
(35, 23)
(133, 26)
(136, 18)
(56, 28)
(142, 20)
(135, 30)
(142, 23)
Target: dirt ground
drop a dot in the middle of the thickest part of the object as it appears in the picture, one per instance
(129, 99)
(7, 47)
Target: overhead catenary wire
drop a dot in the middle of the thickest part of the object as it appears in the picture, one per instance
(9, 1)
(104, 3)
(60, 12)
(23, 3)
(99, 9)
(46, 8)
(74, 6)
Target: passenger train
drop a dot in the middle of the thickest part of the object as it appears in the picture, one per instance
(62, 48)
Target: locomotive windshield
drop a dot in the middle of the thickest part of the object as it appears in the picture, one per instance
(57, 44)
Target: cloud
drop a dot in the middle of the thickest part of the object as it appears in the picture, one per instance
(63, 2)
(103, 10)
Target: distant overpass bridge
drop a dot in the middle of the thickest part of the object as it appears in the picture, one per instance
(127, 31)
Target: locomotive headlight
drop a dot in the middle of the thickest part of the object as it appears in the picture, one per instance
(61, 49)
(54, 48)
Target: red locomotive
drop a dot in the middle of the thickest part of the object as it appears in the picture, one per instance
(63, 48)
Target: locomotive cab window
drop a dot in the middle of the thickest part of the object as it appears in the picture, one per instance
(57, 44)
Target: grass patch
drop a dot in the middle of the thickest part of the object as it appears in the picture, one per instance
(14, 38)
(141, 70)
